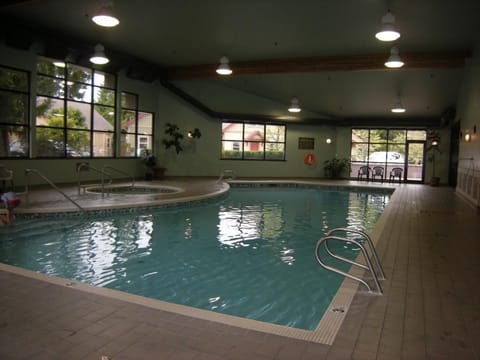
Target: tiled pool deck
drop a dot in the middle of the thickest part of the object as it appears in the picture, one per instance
(429, 243)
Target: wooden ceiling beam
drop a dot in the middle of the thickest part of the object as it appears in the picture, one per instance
(322, 63)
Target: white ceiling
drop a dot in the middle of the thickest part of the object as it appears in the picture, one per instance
(168, 33)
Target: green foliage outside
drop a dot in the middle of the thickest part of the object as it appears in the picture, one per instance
(50, 140)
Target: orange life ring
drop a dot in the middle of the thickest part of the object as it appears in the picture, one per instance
(309, 158)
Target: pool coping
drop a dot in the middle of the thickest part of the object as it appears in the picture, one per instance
(325, 331)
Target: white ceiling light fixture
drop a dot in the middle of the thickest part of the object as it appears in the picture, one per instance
(394, 61)
(224, 67)
(99, 57)
(398, 108)
(294, 106)
(104, 15)
(388, 31)
(58, 63)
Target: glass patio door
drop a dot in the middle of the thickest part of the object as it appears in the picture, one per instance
(415, 170)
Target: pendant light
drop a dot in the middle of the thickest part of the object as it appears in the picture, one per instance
(224, 68)
(394, 61)
(388, 31)
(99, 57)
(104, 15)
(398, 108)
(294, 106)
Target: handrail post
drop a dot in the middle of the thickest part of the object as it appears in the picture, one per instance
(27, 172)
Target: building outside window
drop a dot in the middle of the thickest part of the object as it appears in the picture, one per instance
(136, 127)
(75, 111)
(388, 149)
(14, 113)
(253, 141)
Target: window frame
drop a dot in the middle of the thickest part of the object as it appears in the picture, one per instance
(388, 145)
(24, 126)
(84, 107)
(138, 133)
(244, 142)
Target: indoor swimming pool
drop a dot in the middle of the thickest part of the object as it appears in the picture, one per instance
(249, 253)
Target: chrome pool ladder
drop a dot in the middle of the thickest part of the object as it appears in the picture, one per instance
(376, 274)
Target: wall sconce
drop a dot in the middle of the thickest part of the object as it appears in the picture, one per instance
(194, 134)
(467, 137)
(328, 141)
(434, 142)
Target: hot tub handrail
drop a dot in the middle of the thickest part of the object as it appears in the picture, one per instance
(119, 171)
(86, 166)
(49, 182)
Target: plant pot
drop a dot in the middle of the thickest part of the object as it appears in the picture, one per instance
(159, 173)
(434, 181)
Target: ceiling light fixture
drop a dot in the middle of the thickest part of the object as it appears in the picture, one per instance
(224, 68)
(99, 56)
(394, 61)
(58, 63)
(104, 16)
(388, 32)
(398, 108)
(294, 107)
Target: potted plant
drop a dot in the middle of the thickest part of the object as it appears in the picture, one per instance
(173, 137)
(150, 162)
(334, 168)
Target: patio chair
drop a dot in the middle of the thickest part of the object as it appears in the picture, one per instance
(363, 171)
(377, 171)
(396, 173)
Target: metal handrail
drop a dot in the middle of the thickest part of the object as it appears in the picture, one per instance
(55, 187)
(368, 240)
(227, 172)
(119, 171)
(87, 166)
(324, 241)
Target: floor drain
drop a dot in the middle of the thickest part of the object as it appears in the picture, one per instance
(338, 309)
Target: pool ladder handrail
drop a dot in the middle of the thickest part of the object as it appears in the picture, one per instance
(86, 166)
(227, 172)
(49, 182)
(368, 266)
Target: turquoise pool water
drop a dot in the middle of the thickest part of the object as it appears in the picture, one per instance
(249, 254)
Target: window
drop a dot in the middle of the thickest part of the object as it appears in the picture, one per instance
(14, 110)
(250, 141)
(381, 147)
(136, 127)
(75, 111)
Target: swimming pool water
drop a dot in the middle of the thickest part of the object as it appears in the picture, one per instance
(250, 254)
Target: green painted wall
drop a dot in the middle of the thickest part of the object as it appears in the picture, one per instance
(201, 157)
